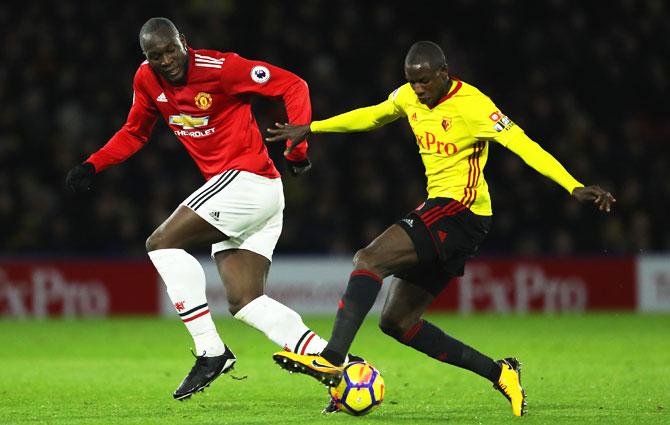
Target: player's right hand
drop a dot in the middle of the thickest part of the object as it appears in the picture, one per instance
(296, 133)
(602, 199)
(80, 178)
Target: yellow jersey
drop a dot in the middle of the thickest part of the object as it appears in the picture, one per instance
(453, 140)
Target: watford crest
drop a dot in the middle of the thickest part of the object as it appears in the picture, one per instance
(446, 123)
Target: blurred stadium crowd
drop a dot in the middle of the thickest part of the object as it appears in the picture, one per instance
(587, 80)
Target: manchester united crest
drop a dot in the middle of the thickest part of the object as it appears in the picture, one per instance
(203, 100)
(446, 123)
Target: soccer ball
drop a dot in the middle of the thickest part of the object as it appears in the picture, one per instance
(360, 391)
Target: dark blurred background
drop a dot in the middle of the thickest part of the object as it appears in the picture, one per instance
(587, 80)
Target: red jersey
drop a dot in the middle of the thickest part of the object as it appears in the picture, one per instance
(210, 113)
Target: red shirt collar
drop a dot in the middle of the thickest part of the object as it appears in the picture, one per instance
(453, 90)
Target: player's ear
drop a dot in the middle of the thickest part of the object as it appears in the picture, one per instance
(182, 38)
(444, 72)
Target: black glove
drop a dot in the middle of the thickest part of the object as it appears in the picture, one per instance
(80, 178)
(298, 167)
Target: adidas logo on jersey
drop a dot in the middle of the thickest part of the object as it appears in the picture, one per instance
(214, 215)
(161, 98)
(409, 221)
(208, 61)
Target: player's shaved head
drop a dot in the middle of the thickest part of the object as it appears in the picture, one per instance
(157, 28)
(425, 54)
(426, 71)
(165, 49)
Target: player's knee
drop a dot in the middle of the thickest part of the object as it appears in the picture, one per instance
(234, 308)
(391, 326)
(155, 241)
(365, 260)
(151, 243)
(237, 303)
(160, 240)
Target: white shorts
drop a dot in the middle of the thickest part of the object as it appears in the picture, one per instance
(246, 207)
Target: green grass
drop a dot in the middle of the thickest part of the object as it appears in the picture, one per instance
(578, 369)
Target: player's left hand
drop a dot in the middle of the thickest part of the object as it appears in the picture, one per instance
(600, 197)
(298, 167)
(297, 134)
(80, 178)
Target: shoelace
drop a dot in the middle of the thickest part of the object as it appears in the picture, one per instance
(199, 360)
(198, 363)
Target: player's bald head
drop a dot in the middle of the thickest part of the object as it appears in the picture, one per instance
(157, 28)
(426, 72)
(425, 54)
(165, 49)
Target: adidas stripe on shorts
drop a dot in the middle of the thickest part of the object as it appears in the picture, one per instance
(246, 207)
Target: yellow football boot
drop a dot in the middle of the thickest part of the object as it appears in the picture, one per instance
(312, 365)
(509, 384)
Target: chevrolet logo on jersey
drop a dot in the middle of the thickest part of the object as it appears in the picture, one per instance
(188, 122)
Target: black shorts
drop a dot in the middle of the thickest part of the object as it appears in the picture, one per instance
(445, 234)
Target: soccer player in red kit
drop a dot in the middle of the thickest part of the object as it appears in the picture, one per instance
(204, 96)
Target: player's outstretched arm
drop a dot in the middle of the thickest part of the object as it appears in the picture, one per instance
(296, 133)
(361, 119)
(600, 197)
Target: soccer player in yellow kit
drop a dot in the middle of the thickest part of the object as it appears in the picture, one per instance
(453, 123)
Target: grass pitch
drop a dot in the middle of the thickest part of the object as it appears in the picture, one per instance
(577, 369)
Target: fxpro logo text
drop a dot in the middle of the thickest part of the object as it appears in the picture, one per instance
(429, 142)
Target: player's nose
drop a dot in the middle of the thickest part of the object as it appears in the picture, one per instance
(166, 60)
(421, 94)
